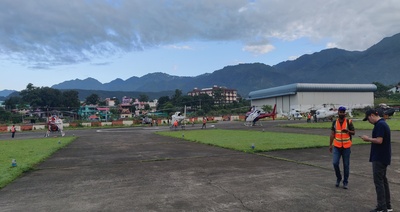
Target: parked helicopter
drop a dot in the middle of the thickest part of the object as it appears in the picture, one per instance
(177, 119)
(54, 124)
(293, 114)
(147, 120)
(327, 114)
(255, 115)
(385, 111)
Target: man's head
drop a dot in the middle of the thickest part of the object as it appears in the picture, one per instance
(341, 112)
(371, 115)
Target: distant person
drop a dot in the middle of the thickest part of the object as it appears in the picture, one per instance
(204, 123)
(341, 131)
(380, 156)
(175, 124)
(13, 130)
(308, 117)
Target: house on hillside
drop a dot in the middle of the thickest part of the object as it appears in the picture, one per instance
(110, 102)
(125, 107)
(395, 89)
(93, 112)
(139, 106)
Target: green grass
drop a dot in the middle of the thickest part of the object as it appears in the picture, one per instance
(27, 154)
(242, 140)
(394, 124)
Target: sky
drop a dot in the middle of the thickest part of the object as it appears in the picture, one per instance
(46, 42)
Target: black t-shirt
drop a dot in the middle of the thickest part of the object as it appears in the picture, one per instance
(381, 152)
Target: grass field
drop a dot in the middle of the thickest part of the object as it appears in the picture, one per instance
(242, 140)
(27, 154)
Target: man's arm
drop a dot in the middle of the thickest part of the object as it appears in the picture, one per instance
(331, 137)
(350, 129)
(377, 140)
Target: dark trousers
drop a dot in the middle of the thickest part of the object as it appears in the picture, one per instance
(381, 185)
(345, 154)
(12, 134)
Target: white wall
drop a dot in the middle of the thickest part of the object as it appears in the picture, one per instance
(306, 100)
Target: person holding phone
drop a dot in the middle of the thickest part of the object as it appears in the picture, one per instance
(339, 144)
(380, 157)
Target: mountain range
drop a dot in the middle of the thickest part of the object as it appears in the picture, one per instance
(379, 63)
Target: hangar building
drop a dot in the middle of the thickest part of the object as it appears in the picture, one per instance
(307, 96)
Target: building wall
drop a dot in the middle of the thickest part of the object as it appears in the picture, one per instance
(306, 100)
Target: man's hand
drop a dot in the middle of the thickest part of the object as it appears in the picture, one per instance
(365, 138)
(330, 149)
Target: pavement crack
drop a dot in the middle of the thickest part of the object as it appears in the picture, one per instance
(211, 182)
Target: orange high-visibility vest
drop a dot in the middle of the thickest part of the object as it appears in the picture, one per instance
(341, 140)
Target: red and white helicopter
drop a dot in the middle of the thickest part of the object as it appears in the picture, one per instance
(255, 115)
(54, 124)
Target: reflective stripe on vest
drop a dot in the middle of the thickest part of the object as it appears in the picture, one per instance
(342, 140)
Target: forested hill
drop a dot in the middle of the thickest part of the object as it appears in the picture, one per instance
(379, 63)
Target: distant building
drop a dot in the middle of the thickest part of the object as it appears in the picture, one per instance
(125, 106)
(395, 89)
(227, 95)
(93, 112)
(110, 102)
(142, 105)
(304, 96)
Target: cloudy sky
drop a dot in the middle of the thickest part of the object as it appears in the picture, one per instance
(46, 42)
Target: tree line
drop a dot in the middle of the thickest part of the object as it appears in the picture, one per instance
(48, 99)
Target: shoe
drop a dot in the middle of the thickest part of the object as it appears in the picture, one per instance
(390, 209)
(379, 210)
(345, 186)
(337, 183)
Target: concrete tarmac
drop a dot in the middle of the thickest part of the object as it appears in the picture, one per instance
(133, 169)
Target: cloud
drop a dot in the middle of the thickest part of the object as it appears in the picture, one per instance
(49, 32)
(185, 47)
(259, 49)
(293, 57)
(331, 45)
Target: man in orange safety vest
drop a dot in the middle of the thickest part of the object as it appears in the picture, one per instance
(341, 132)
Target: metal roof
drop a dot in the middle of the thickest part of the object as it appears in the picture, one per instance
(292, 89)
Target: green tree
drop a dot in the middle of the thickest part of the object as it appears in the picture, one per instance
(92, 99)
(204, 101)
(218, 97)
(381, 91)
(162, 101)
(32, 95)
(143, 98)
(71, 99)
(169, 108)
(5, 116)
(12, 102)
(177, 97)
(267, 108)
(186, 100)
(51, 97)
